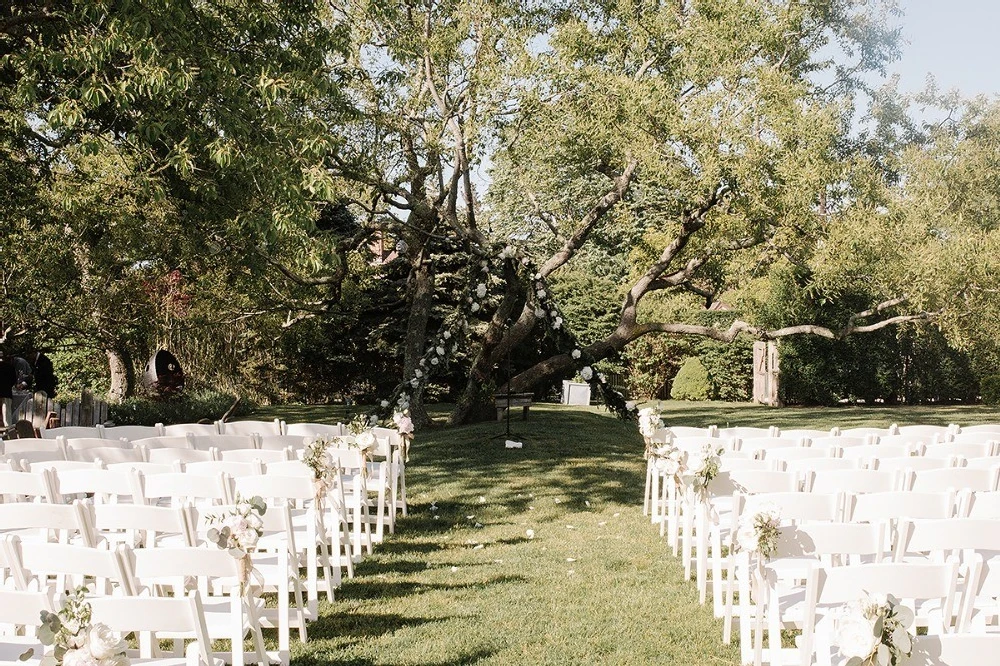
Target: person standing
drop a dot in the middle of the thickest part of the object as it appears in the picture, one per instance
(8, 377)
(45, 377)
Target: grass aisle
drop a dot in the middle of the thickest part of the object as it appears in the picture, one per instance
(466, 585)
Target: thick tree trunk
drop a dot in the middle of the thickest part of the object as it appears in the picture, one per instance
(122, 375)
(421, 291)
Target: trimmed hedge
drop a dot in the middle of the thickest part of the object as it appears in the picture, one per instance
(186, 407)
(691, 382)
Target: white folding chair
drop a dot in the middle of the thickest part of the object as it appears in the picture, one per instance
(59, 568)
(153, 617)
(164, 442)
(70, 432)
(229, 613)
(103, 485)
(757, 447)
(964, 449)
(309, 523)
(993, 428)
(938, 539)
(12, 447)
(176, 488)
(146, 526)
(65, 523)
(231, 467)
(839, 441)
(262, 456)
(953, 649)
(314, 429)
(276, 561)
(222, 442)
(852, 481)
(281, 442)
(956, 478)
(928, 589)
(746, 432)
(805, 433)
(262, 428)
(798, 548)
(904, 466)
(192, 428)
(27, 486)
(353, 481)
(20, 617)
(981, 505)
(130, 432)
(181, 456)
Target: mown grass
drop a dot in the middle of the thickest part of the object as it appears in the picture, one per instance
(466, 585)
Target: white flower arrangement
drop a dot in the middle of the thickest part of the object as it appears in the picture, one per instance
(669, 460)
(404, 426)
(575, 354)
(539, 312)
(365, 441)
(650, 421)
(758, 533)
(874, 631)
(587, 373)
(74, 640)
(240, 528)
(474, 307)
(316, 456)
(481, 290)
(557, 322)
(700, 467)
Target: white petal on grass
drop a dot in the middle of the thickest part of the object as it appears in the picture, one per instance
(570, 572)
(587, 502)
(482, 500)
(571, 527)
(571, 559)
(479, 526)
(454, 569)
(530, 533)
(470, 517)
(558, 501)
(615, 515)
(602, 523)
(478, 546)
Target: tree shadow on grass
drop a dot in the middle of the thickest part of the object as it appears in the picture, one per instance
(385, 589)
(465, 659)
(361, 625)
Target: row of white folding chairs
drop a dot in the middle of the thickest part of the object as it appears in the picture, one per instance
(385, 472)
(248, 427)
(688, 529)
(94, 525)
(122, 570)
(920, 541)
(211, 482)
(784, 454)
(20, 613)
(922, 432)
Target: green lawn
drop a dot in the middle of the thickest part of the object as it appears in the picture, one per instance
(465, 585)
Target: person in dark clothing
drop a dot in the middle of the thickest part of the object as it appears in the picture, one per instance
(44, 374)
(8, 377)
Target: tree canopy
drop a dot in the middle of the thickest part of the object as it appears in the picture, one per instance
(349, 187)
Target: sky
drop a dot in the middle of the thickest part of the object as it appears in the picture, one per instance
(958, 41)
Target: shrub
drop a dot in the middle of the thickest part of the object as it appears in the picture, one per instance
(990, 389)
(730, 369)
(691, 382)
(186, 407)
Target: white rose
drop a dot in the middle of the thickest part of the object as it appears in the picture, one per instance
(855, 636)
(439, 350)
(539, 312)
(667, 466)
(554, 313)
(384, 404)
(586, 373)
(414, 383)
(435, 361)
(538, 276)
(480, 290)
(746, 538)
(525, 261)
(475, 307)
(696, 463)
(576, 354)
(540, 293)
(446, 335)
(81, 657)
(254, 521)
(557, 323)
(366, 440)
(105, 643)
(418, 373)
